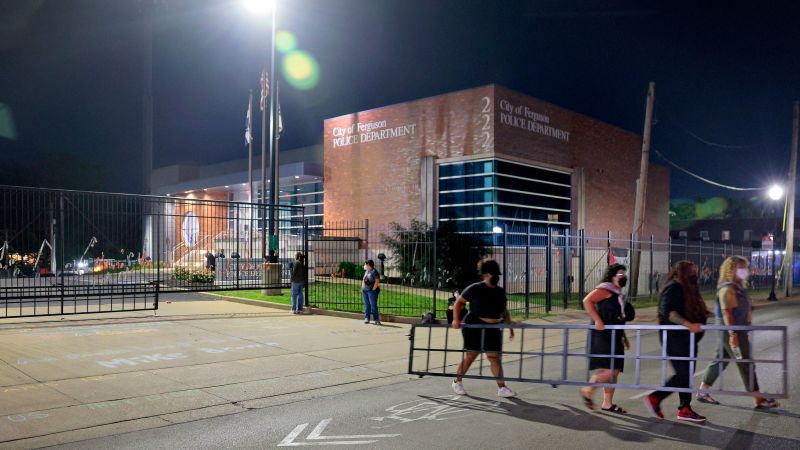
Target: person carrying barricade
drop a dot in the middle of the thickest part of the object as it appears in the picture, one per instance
(734, 308)
(607, 306)
(680, 303)
(487, 306)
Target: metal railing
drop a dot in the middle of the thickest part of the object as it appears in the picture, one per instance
(72, 252)
(545, 269)
(563, 348)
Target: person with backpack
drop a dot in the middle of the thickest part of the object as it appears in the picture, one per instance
(370, 289)
(607, 306)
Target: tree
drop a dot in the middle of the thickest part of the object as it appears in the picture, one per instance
(457, 254)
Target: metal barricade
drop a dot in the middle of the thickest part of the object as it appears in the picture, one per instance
(436, 350)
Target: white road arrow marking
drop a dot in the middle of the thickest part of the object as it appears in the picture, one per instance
(316, 435)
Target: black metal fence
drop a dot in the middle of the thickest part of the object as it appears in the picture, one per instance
(544, 268)
(73, 252)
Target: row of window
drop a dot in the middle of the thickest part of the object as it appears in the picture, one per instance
(481, 195)
(724, 236)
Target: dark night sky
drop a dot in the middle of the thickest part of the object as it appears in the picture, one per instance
(71, 71)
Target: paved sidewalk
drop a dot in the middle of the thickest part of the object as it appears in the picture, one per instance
(81, 377)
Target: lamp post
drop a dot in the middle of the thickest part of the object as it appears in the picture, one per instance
(261, 8)
(775, 193)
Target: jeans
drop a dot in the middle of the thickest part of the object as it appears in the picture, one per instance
(297, 296)
(678, 345)
(371, 304)
(713, 370)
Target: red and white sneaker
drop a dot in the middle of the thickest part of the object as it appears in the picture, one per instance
(686, 413)
(653, 405)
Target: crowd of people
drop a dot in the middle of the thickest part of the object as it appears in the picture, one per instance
(680, 303)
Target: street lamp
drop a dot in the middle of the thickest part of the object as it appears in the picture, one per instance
(261, 8)
(775, 193)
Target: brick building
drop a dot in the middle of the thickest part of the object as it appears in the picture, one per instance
(485, 157)
(479, 158)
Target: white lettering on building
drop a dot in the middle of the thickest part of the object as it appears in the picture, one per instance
(524, 118)
(360, 132)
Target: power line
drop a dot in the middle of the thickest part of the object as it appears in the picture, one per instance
(703, 179)
(703, 141)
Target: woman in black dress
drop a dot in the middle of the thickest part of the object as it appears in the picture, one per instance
(606, 305)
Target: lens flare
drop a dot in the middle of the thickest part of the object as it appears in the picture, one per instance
(285, 41)
(301, 70)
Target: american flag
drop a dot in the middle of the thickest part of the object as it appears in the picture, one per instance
(264, 89)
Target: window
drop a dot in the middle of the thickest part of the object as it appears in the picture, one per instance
(748, 235)
(704, 235)
(478, 195)
(683, 234)
(726, 235)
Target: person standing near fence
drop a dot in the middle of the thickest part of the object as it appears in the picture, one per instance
(370, 290)
(487, 306)
(299, 279)
(606, 305)
(734, 308)
(680, 303)
(451, 306)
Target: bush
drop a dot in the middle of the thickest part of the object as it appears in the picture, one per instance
(193, 275)
(351, 270)
(457, 254)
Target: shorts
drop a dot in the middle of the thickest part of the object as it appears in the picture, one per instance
(492, 339)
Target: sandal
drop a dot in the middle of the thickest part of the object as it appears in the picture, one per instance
(615, 409)
(587, 401)
(767, 403)
(705, 398)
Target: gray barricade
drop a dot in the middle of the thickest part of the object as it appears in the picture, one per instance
(549, 354)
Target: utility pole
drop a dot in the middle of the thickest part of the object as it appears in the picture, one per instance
(641, 191)
(790, 196)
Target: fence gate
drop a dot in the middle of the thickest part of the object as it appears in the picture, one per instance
(75, 252)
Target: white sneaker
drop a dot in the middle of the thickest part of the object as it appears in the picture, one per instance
(458, 388)
(377, 322)
(505, 392)
(366, 321)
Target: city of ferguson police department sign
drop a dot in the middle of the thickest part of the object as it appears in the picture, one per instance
(362, 132)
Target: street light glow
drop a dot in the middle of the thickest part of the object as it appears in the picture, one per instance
(775, 192)
(496, 229)
(301, 70)
(259, 7)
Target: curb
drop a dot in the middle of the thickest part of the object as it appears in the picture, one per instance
(317, 311)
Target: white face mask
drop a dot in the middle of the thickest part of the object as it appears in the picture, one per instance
(742, 274)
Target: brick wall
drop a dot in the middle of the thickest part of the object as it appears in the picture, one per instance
(379, 177)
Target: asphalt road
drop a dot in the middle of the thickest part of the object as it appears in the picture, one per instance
(424, 413)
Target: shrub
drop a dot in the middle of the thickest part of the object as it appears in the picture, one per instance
(351, 270)
(193, 275)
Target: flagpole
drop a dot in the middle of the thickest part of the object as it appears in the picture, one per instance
(250, 173)
(273, 119)
(264, 133)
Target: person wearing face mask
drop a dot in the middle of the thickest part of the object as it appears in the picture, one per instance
(487, 305)
(606, 305)
(680, 303)
(370, 290)
(734, 308)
